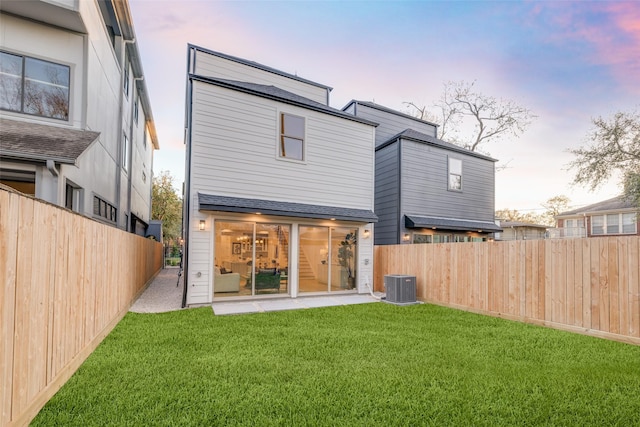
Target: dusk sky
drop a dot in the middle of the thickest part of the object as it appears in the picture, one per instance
(566, 61)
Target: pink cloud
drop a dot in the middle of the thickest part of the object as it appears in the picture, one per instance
(610, 29)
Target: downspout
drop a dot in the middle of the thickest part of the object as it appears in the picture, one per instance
(130, 148)
(186, 202)
(121, 130)
(52, 168)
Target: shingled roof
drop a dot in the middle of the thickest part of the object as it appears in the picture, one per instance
(614, 204)
(414, 135)
(210, 202)
(38, 142)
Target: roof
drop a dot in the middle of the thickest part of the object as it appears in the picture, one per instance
(515, 224)
(388, 110)
(414, 135)
(277, 94)
(619, 203)
(414, 221)
(258, 66)
(210, 202)
(31, 141)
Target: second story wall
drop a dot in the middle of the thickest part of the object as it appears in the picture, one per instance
(212, 64)
(234, 151)
(390, 122)
(425, 178)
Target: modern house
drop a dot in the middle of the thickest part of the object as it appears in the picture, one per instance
(76, 127)
(616, 216)
(426, 190)
(279, 186)
(518, 230)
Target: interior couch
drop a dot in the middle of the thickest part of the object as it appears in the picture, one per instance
(229, 282)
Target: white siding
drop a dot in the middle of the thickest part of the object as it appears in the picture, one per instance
(234, 152)
(209, 65)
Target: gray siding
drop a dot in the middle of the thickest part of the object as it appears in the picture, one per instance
(387, 195)
(391, 124)
(425, 184)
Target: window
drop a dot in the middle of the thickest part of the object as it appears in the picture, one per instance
(104, 210)
(33, 86)
(126, 80)
(135, 111)
(125, 152)
(629, 223)
(597, 224)
(291, 137)
(624, 223)
(455, 174)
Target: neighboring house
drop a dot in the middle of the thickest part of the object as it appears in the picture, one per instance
(426, 190)
(279, 186)
(615, 216)
(76, 127)
(517, 230)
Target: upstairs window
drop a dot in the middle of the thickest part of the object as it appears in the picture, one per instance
(126, 79)
(455, 174)
(291, 137)
(33, 86)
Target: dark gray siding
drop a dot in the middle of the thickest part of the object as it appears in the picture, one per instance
(387, 201)
(425, 184)
(392, 124)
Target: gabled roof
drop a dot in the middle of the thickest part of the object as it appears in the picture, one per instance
(277, 94)
(257, 65)
(619, 203)
(387, 110)
(37, 142)
(211, 202)
(415, 221)
(414, 135)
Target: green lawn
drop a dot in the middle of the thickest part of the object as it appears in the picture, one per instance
(360, 365)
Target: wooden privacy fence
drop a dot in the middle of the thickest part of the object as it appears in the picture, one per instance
(589, 285)
(66, 281)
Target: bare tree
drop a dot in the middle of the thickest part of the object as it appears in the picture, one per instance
(613, 145)
(461, 103)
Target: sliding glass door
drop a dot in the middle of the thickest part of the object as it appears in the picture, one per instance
(250, 259)
(327, 259)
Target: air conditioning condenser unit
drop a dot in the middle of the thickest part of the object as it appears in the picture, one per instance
(400, 289)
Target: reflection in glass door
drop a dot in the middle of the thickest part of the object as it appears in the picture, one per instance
(327, 259)
(250, 259)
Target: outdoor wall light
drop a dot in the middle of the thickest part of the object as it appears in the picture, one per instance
(201, 226)
(366, 234)
(406, 237)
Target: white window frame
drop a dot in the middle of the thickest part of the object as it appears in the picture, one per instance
(282, 135)
(125, 151)
(619, 222)
(451, 172)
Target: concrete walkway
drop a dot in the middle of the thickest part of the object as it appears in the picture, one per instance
(163, 295)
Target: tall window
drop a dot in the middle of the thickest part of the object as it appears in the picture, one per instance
(455, 174)
(126, 79)
(33, 86)
(291, 137)
(125, 152)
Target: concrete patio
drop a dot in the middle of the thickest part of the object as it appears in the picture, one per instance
(165, 294)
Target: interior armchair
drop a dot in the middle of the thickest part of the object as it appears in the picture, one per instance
(268, 279)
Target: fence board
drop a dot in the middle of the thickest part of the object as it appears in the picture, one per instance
(589, 285)
(62, 291)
